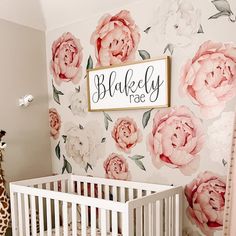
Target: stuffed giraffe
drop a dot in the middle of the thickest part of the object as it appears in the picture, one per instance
(4, 208)
(4, 199)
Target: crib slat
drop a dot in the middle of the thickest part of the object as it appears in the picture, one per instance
(154, 220)
(114, 223)
(55, 186)
(40, 186)
(74, 220)
(140, 213)
(140, 193)
(131, 194)
(173, 214)
(130, 223)
(146, 220)
(138, 222)
(99, 210)
(149, 221)
(41, 221)
(83, 220)
(107, 197)
(125, 224)
(167, 217)
(33, 214)
(48, 186)
(20, 226)
(99, 191)
(49, 215)
(179, 214)
(78, 188)
(114, 193)
(103, 222)
(92, 190)
(159, 210)
(170, 217)
(86, 194)
(122, 194)
(13, 213)
(26, 204)
(57, 223)
(63, 186)
(65, 218)
(93, 221)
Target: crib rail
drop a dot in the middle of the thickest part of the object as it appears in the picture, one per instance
(65, 203)
(27, 201)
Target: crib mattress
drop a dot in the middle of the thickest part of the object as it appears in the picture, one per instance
(88, 233)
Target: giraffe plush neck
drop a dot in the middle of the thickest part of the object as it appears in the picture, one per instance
(4, 208)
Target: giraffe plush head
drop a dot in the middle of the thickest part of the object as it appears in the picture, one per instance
(3, 145)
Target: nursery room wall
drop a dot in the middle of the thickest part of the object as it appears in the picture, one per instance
(188, 144)
(23, 72)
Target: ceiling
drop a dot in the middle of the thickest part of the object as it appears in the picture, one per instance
(49, 14)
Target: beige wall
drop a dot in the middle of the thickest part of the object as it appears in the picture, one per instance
(23, 71)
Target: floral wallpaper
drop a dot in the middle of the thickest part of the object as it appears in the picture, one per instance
(186, 144)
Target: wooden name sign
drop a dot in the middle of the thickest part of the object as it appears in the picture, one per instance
(131, 86)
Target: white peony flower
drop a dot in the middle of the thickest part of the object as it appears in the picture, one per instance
(79, 104)
(83, 144)
(220, 136)
(176, 22)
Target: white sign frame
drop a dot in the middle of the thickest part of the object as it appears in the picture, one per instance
(114, 88)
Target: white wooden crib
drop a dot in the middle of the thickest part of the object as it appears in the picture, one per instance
(73, 205)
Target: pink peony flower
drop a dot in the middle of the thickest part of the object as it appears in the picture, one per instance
(54, 123)
(66, 59)
(209, 79)
(116, 167)
(176, 139)
(116, 39)
(126, 134)
(206, 199)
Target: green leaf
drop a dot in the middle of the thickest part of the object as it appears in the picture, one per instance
(89, 63)
(147, 30)
(77, 90)
(146, 117)
(56, 98)
(60, 92)
(88, 166)
(56, 94)
(106, 123)
(169, 47)
(64, 138)
(63, 169)
(136, 157)
(58, 151)
(103, 140)
(107, 116)
(222, 5)
(66, 166)
(144, 54)
(219, 14)
(140, 164)
(224, 162)
(200, 30)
